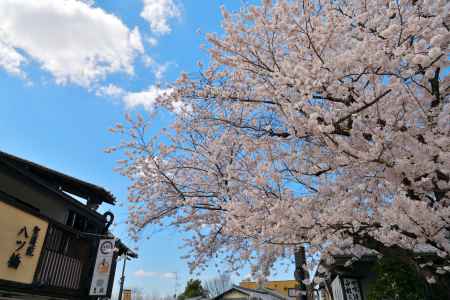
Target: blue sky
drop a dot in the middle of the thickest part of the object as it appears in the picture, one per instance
(59, 94)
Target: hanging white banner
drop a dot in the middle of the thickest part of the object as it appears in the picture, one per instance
(102, 270)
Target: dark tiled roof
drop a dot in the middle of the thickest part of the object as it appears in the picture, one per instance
(70, 184)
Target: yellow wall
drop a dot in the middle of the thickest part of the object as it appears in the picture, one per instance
(234, 295)
(11, 221)
(126, 295)
(281, 286)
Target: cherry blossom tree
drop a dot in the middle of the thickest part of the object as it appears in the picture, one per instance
(319, 122)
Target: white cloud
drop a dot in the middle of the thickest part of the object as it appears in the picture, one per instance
(136, 41)
(110, 90)
(158, 12)
(146, 98)
(152, 41)
(10, 59)
(73, 40)
(141, 273)
(160, 69)
(147, 60)
(90, 2)
(169, 275)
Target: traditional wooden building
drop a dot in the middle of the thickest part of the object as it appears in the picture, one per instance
(52, 237)
(348, 282)
(355, 280)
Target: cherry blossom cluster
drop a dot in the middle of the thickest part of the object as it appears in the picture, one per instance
(318, 122)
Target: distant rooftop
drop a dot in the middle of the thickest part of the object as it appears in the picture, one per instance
(249, 291)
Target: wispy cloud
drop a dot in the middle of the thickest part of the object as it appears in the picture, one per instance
(158, 69)
(110, 90)
(151, 41)
(158, 13)
(89, 2)
(146, 98)
(141, 273)
(169, 275)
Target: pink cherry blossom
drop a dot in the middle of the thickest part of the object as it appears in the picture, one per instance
(319, 122)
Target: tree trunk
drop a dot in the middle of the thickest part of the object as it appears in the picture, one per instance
(300, 274)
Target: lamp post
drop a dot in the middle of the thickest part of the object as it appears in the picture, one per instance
(122, 278)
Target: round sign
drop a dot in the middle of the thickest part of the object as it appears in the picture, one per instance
(106, 247)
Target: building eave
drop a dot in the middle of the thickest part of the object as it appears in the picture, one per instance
(70, 184)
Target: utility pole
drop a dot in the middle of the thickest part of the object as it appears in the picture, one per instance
(122, 278)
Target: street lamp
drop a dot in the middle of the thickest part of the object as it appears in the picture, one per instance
(122, 278)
